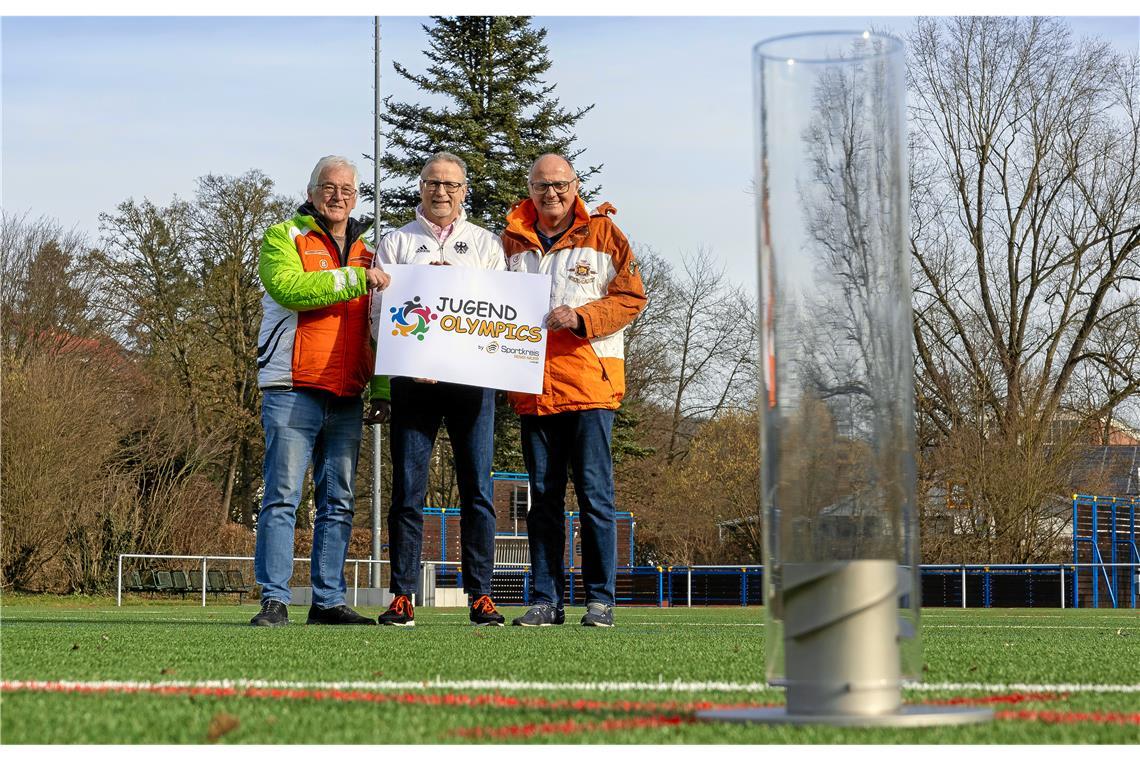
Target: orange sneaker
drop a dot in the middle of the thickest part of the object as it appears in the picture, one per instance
(399, 612)
(483, 612)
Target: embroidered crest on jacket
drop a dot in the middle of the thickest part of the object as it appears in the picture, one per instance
(582, 272)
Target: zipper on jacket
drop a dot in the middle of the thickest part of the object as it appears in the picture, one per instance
(454, 236)
(352, 233)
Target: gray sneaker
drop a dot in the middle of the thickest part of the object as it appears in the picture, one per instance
(540, 615)
(598, 614)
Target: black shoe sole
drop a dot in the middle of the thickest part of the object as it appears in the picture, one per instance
(366, 621)
(266, 624)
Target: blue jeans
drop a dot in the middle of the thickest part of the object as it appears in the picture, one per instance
(469, 414)
(302, 425)
(582, 441)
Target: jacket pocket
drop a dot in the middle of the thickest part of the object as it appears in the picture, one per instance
(607, 382)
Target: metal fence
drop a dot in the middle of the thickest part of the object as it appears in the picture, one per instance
(961, 585)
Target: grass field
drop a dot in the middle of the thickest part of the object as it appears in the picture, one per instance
(80, 670)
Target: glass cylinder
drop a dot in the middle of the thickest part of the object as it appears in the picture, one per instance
(837, 430)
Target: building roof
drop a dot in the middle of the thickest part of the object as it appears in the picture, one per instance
(1106, 470)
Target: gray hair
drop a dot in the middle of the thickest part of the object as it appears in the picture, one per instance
(450, 158)
(329, 162)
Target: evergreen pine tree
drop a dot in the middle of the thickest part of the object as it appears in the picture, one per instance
(500, 117)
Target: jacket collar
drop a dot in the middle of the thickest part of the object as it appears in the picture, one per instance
(522, 216)
(457, 225)
(352, 231)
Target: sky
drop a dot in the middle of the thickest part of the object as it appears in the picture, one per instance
(96, 110)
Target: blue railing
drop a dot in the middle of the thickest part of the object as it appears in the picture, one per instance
(1041, 585)
(1106, 524)
(984, 586)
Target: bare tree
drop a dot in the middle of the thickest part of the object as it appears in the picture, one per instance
(647, 349)
(226, 223)
(47, 285)
(689, 369)
(181, 283)
(148, 289)
(1095, 387)
(57, 434)
(701, 345)
(1025, 235)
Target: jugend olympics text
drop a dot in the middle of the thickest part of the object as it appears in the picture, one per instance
(485, 319)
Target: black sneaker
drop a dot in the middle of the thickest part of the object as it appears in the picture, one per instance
(399, 612)
(598, 614)
(541, 615)
(483, 612)
(273, 614)
(342, 614)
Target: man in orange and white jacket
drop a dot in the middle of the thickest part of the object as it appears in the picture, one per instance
(596, 292)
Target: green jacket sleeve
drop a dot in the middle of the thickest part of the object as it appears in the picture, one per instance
(378, 388)
(287, 282)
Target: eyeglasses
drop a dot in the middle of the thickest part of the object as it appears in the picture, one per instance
(434, 184)
(559, 187)
(329, 190)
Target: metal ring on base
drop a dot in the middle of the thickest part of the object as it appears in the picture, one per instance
(909, 716)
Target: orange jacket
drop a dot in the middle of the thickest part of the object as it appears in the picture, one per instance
(593, 271)
(315, 320)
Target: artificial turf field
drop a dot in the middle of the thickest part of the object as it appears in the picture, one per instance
(80, 670)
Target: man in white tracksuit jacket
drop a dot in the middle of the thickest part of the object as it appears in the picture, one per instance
(441, 235)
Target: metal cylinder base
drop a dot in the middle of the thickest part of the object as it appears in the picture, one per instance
(908, 716)
(841, 641)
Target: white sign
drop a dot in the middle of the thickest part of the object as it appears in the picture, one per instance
(463, 325)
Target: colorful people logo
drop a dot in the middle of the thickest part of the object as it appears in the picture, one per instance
(413, 318)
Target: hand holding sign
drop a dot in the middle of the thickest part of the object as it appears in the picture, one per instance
(564, 318)
(378, 279)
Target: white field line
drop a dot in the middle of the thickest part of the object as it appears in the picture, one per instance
(672, 623)
(512, 685)
(1006, 612)
(1095, 688)
(1106, 625)
(928, 613)
(1073, 614)
(435, 683)
(1030, 627)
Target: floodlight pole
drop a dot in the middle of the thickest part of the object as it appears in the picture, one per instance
(377, 428)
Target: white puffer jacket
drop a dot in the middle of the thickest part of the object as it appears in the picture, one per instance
(468, 245)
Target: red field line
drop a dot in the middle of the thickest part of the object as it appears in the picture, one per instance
(1050, 716)
(996, 699)
(452, 699)
(571, 726)
(669, 713)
